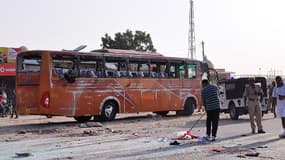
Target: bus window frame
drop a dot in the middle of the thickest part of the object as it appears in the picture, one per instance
(21, 68)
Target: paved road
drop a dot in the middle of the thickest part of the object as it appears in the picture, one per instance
(35, 137)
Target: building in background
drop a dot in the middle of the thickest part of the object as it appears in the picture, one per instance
(223, 74)
(8, 68)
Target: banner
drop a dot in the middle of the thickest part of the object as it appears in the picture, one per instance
(3, 55)
(8, 55)
(7, 69)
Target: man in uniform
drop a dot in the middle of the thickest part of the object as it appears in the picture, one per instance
(252, 97)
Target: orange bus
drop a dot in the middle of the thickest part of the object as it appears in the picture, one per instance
(104, 82)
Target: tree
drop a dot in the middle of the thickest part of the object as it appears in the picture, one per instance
(140, 41)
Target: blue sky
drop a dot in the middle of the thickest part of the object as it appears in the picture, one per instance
(243, 36)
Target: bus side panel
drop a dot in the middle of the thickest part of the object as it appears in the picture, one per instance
(193, 87)
(148, 89)
(85, 96)
(128, 94)
(62, 101)
(163, 96)
(175, 98)
(28, 100)
(73, 99)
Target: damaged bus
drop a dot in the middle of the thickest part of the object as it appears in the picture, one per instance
(105, 82)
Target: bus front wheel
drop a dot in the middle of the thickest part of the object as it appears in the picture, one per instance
(109, 111)
(189, 108)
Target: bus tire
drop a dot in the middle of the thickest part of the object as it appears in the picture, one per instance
(109, 111)
(189, 108)
(161, 113)
(233, 111)
(82, 118)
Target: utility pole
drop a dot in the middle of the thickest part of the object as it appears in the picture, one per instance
(191, 34)
(203, 51)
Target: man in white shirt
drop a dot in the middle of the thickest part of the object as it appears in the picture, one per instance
(278, 99)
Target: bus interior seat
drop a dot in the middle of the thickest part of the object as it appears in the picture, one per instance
(152, 74)
(140, 74)
(161, 75)
(91, 73)
(59, 72)
(165, 75)
(134, 74)
(83, 73)
(106, 74)
(129, 74)
(117, 74)
(123, 74)
(98, 73)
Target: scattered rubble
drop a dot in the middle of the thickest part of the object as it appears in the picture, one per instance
(252, 154)
(22, 155)
(90, 124)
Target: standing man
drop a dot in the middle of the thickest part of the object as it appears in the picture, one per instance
(273, 107)
(13, 99)
(211, 101)
(278, 98)
(252, 97)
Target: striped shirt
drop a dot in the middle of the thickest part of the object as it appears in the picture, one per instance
(210, 97)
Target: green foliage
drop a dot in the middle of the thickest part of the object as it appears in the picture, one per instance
(140, 41)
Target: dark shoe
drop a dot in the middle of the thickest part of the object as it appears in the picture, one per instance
(174, 143)
(261, 131)
(253, 131)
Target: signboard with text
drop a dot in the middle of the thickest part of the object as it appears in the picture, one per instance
(7, 69)
(8, 61)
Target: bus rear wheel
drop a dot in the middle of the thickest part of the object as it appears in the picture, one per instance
(109, 111)
(189, 108)
(82, 118)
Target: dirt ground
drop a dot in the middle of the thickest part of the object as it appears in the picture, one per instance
(132, 136)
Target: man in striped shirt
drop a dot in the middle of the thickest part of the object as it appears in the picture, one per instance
(211, 101)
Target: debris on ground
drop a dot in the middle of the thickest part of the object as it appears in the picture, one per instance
(241, 156)
(262, 147)
(185, 136)
(216, 150)
(90, 124)
(90, 132)
(252, 154)
(22, 155)
(163, 139)
(94, 124)
(22, 132)
(82, 125)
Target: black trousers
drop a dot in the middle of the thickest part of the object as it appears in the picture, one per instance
(212, 122)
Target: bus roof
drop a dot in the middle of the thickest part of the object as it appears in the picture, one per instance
(243, 79)
(115, 53)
